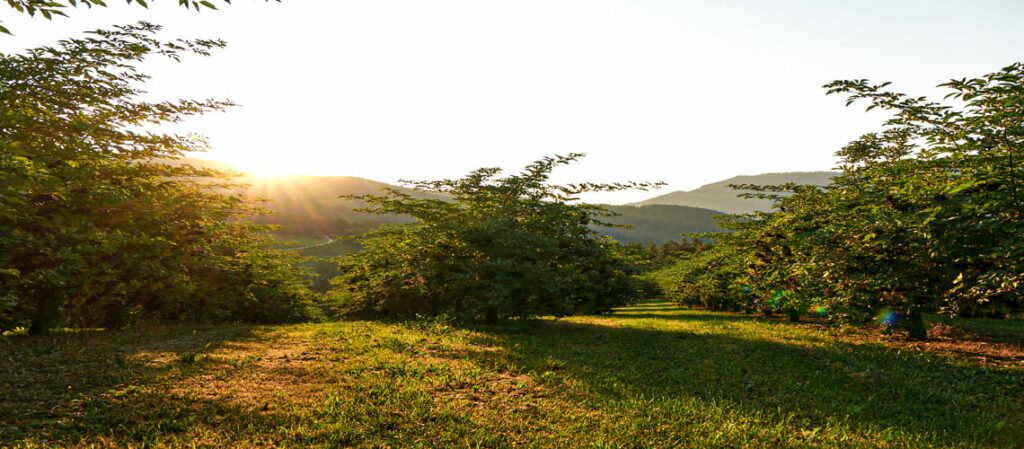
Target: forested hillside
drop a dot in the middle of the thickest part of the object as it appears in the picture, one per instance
(719, 196)
(659, 223)
(309, 206)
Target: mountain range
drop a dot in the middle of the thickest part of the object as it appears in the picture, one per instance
(719, 196)
(308, 206)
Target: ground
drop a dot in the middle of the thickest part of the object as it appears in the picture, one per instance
(647, 376)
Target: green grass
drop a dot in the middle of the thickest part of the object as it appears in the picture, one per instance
(648, 376)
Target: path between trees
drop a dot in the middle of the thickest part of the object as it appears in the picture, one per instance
(328, 242)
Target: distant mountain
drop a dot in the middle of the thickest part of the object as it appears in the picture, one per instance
(659, 223)
(718, 196)
(308, 206)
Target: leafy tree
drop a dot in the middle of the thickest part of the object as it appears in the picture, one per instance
(706, 278)
(927, 214)
(502, 247)
(659, 256)
(94, 228)
(942, 184)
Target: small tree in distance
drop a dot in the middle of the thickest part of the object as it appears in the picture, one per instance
(505, 247)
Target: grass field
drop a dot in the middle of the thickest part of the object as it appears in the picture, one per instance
(648, 376)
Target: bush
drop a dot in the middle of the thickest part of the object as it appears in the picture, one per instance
(500, 248)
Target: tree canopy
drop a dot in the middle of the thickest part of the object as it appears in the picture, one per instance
(927, 214)
(502, 247)
(94, 228)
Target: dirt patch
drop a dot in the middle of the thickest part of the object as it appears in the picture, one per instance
(944, 342)
(260, 373)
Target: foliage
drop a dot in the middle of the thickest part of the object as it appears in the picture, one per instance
(501, 247)
(93, 230)
(926, 215)
(660, 255)
(705, 278)
(49, 8)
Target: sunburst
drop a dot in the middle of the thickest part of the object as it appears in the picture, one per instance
(266, 168)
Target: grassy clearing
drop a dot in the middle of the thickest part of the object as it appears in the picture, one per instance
(648, 376)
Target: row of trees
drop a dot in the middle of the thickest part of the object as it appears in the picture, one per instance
(927, 215)
(659, 256)
(94, 230)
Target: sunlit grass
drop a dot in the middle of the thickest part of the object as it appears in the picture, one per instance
(648, 376)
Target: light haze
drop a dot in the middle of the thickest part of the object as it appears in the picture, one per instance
(683, 92)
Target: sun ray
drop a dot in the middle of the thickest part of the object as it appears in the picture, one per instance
(266, 168)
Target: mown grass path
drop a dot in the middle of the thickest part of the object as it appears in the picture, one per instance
(648, 376)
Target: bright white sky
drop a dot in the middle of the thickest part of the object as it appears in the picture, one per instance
(686, 92)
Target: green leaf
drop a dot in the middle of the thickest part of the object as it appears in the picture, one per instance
(960, 187)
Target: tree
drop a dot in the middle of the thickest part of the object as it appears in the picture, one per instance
(504, 247)
(943, 185)
(95, 229)
(927, 214)
(706, 278)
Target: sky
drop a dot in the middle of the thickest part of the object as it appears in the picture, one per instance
(683, 92)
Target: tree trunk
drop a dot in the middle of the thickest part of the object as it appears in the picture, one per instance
(916, 329)
(46, 315)
(490, 314)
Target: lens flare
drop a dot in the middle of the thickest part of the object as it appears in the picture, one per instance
(820, 310)
(780, 298)
(887, 318)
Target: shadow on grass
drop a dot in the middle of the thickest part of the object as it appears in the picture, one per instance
(53, 386)
(865, 387)
(651, 377)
